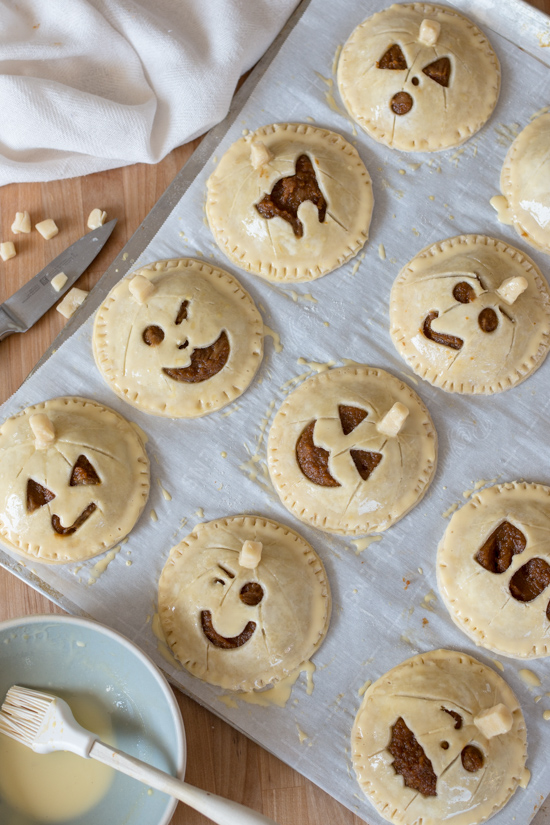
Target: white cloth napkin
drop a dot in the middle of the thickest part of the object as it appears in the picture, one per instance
(87, 85)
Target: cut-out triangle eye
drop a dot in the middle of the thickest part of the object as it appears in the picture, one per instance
(392, 59)
(439, 70)
(83, 473)
(37, 495)
(182, 314)
(350, 417)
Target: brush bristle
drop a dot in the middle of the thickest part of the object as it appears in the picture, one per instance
(23, 712)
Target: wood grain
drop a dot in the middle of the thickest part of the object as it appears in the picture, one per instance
(220, 759)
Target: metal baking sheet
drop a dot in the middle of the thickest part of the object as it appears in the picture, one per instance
(212, 467)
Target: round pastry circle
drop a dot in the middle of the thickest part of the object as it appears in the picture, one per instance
(333, 229)
(493, 569)
(210, 347)
(229, 638)
(430, 693)
(419, 77)
(78, 496)
(447, 292)
(369, 479)
(525, 182)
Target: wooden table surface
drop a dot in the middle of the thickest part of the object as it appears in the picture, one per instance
(220, 759)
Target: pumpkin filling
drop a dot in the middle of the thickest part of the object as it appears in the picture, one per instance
(472, 758)
(488, 320)
(401, 103)
(153, 335)
(392, 59)
(313, 460)
(503, 543)
(83, 473)
(464, 292)
(68, 531)
(37, 495)
(288, 193)
(223, 642)
(410, 761)
(205, 362)
(530, 580)
(439, 70)
(251, 593)
(442, 338)
(456, 716)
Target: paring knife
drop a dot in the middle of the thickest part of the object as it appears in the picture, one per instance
(29, 303)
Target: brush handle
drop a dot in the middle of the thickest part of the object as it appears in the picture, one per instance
(220, 810)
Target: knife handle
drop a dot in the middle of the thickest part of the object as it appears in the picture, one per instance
(8, 324)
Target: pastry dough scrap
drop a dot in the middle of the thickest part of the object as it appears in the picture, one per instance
(438, 695)
(269, 247)
(351, 504)
(413, 94)
(150, 348)
(74, 479)
(482, 602)
(525, 183)
(438, 306)
(240, 628)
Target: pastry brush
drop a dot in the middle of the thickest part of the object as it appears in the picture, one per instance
(45, 723)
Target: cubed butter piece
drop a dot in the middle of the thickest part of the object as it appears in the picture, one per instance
(71, 302)
(393, 421)
(511, 288)
(43, 429)
(251, 554)
(7, 250)
(494, 721)
(259, 154)
(429, 32)
(22, 223)
(96, 218)
(141, 288)
(59, 281)
(48, 228)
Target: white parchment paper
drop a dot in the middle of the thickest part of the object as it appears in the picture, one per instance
(215, 466)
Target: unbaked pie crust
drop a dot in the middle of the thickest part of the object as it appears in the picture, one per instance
(425, 691)
(486, 362)
(216, 305)
(480, 600)
(285, 625)
(269, 247)
(108, 495)
(357, 506)
(441, 116)
(525, 182)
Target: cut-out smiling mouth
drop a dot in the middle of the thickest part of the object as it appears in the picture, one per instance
(224, 642)
(205, 362)
(68, 531)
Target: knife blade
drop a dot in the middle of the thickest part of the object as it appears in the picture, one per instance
(28, 304)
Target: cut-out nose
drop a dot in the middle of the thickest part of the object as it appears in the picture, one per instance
(401, 103)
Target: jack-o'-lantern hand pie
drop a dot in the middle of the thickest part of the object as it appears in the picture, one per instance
(471, 314)
(178, 338)
(243, 602)
(439, 738)
(290, 202)
(493, 569)
(352, 450)
(74, 479)
(419, 77)
(525, 184)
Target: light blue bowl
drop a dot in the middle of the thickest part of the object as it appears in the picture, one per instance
(69, 654)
